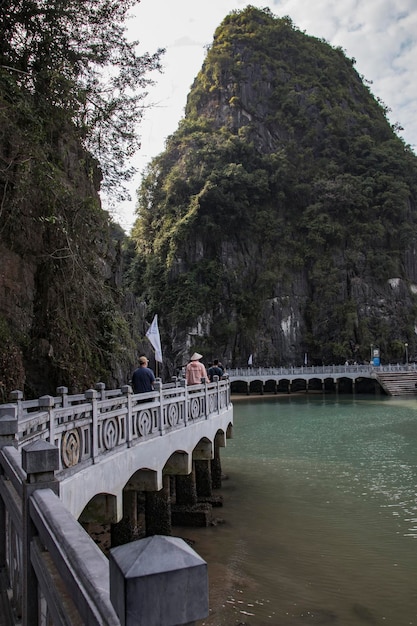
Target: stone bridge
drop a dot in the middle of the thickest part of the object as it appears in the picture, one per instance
(260, 379)
(92, 456)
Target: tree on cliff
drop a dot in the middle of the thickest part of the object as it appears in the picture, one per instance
(71, 84)
(73, 55)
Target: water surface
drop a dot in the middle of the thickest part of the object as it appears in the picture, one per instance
(320, 514)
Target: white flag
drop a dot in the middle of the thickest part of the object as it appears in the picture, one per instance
(153, 336)
(250, 360)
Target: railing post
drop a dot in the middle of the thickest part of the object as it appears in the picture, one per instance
(8, 424)
(47, 402)
(101, 388)
(91, 395)
(206, 399)
(159, 567)
(40, 459)
(8, 431)
(158, 387)
(17, 397)
(127, 391)
(216, 380)
(63, 392)
(183, 383)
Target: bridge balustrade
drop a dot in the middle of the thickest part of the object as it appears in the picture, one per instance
(55, 573)
(85, 426)
(250, 372)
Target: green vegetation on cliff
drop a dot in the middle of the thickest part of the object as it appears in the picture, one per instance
(71, 90)
(281, 217)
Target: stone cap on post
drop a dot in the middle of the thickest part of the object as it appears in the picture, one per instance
(16, 395)
(8, 425)
(158, 581)
(40, 459)
(8, 419)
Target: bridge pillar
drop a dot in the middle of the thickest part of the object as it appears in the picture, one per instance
(137, 505)
(127, 529)
(248, 388)
(289, 387)
(187, 511)
(216, 466)
(186, 489)
(130, 509)
(40, 460)
(202, 467)
(203, 479)
(158, 510)
(306, 385)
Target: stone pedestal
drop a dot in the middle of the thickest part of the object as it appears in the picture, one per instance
(158, 581)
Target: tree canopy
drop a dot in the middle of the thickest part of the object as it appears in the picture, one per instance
(74, 56)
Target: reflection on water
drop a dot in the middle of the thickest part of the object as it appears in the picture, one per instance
(320, 514)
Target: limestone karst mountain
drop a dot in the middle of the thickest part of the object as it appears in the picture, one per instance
(281, 218)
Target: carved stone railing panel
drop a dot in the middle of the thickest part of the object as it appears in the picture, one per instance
(173, 413)
(85, 426)
(144, 421)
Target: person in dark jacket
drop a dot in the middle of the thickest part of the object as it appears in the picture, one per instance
(143, 377)
(215, 370)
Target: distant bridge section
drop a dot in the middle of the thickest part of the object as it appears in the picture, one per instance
(393, 379)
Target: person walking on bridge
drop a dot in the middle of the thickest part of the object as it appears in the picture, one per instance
(195, 370)
(143, 377)
(215, 370)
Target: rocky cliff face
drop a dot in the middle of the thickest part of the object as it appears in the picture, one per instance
(62, 307)
(281, 218)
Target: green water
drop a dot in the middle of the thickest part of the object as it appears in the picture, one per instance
(320, 514)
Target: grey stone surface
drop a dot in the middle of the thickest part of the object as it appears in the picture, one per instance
(158, 581)
(40, 456)
(8, 420)
(80, 563)
(46, 401)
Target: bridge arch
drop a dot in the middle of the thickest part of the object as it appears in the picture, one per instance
(113, 471)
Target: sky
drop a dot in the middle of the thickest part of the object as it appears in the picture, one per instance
(380, 34)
